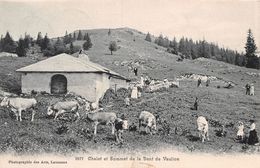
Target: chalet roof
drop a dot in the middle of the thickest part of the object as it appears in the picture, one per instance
(65, 63)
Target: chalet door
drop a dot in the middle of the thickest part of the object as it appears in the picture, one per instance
(58, 84)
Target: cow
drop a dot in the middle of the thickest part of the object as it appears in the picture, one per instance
(62, 107)
(203, 128)
(104, 118)
(19, 104)
(147, 120)
(120, 126)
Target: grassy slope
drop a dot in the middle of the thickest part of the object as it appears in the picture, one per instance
(224, 106)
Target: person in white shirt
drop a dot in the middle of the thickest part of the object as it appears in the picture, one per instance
(240, 132)
(142, 81)
(127, 101)
(253, 138)
(134, 93)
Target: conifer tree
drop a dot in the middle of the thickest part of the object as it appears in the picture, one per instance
(148, 37)
(252, 59)
(74, 36)
(8, 44)
(87, 45)
(66, 38)
(45, 42)
(1, 43)
(39, 39)
(80, 36)
(71, 48)
(21, 48)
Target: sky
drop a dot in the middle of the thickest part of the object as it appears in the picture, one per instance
(224, 22)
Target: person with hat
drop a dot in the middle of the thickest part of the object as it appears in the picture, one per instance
(135, 71)
(247, 89)
(199, 82)
(253, 138)
(207, 82)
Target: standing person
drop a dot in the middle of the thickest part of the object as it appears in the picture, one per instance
(139, 94)
(166, 127)
(207, 82)
(127, 101)
(199, 82)
(134, 93)
(135, 71)
(142, 81)
(129, 68)
(253, 138)
(195, 106)
(147, 80)
(247, 89)
(240, 131)
(252, 90)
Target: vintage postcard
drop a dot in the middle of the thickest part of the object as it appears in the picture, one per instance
(129, 83)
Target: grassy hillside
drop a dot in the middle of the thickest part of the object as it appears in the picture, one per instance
(219, 105)
(10, 80)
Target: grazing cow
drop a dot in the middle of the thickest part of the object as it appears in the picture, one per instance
(147, 120)
(104, 118)
(18, 105)
(203, 128)
(120, 126)
(63, 107)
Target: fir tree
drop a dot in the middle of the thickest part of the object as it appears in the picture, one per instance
(174, 45)
(80, 37)
(21, 48)
(27, 41)
(252, 59)
(8, 44)
(66, 38)
(148, 37)
(45, 42)
(60, 47)
(71, 48)
(87, 45)
(74, 36)
(70, 38)
(181, 47)
(160, 40)
(39, 39)
(1, 43)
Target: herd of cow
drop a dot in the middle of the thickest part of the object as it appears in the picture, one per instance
(95, 115)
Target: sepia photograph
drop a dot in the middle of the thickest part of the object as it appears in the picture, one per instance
(129, 83)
